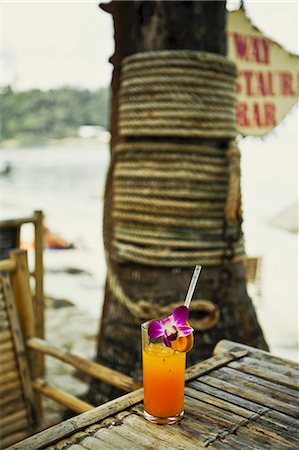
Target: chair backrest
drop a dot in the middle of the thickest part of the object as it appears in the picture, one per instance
(17, 403)
(10, 233)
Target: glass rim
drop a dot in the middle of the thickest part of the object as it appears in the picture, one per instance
(144, 325)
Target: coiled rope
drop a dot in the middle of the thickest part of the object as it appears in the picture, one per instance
(171, 198)
(177, 93)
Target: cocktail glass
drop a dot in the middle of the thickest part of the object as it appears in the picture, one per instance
(163, 380)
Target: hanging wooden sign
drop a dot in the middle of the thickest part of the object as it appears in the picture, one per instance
(268, 76)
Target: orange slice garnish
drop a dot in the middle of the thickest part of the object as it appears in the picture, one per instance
(183, 344)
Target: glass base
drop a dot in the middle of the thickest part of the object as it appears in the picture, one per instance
(163, 420)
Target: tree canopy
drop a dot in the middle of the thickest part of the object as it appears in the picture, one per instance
(34, 116)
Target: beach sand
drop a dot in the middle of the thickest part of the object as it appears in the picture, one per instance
(75, 330)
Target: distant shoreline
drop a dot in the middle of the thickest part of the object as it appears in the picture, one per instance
(13, 144)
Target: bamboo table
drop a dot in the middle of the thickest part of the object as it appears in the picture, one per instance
(241, 398)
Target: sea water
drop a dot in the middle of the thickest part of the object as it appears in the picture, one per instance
(67, 184)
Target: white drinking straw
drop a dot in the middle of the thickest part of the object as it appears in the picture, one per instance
(192, 285)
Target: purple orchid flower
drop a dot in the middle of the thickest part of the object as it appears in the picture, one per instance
(172, 327)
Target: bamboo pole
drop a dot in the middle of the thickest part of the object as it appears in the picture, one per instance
(8, 367)
(71, 402)
(6, 356)
(91, 368)
(13, 427)
(23, 302)
(10, 407)
(7, 378)
(6, 347)
(16, 437)
(14, 417)
(22, 293)
(5, 335)
(7, 265)
(38, 271)
(12, 394)
(8, 385)
(16, 222)
(39, 285)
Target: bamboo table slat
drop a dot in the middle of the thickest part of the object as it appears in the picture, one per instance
(241, 398)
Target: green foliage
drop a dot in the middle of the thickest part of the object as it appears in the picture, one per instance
(35, 116)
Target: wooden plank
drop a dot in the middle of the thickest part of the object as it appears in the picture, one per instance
(227, 423)
(213, 363)
(220, 422)
(250, 395)
(114, 420)
(227, 346)
(278, 387)
(263, 420)
(61, 430)
(91, 443)
(203, 429)
(285, 376)
(113, 439)
(63, 443)
(143, 441)
(269, 388)
(208, 432)
(212, 430)
(190, 425)
(91, 368)
(76, 447)
(166, 437)
(287, 424)
(61, 397)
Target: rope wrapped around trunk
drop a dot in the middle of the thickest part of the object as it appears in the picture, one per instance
(172, 199)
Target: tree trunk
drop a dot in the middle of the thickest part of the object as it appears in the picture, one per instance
(158, 25)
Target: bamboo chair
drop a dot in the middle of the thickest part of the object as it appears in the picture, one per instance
(20, 384)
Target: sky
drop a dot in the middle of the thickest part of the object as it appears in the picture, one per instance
(46, 44)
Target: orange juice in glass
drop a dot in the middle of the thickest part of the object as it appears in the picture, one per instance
(164, 366)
